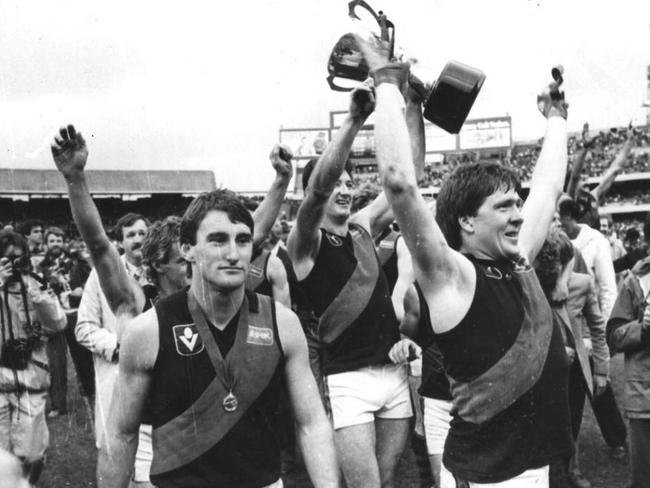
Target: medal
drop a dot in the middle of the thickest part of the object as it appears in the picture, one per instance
(230, 403)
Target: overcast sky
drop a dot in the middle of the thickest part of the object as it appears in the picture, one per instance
(207, 85)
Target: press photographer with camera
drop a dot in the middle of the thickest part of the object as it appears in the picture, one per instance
(30, 312)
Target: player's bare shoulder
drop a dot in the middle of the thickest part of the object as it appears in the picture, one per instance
(290, 331)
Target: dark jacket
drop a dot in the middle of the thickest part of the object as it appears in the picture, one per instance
(627, 333)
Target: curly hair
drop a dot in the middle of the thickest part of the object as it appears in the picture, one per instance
(556, 252)
(363, 196)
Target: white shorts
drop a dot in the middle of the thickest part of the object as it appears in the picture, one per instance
(357, 397)
(533, 478)
(144, 455)
(436, 424)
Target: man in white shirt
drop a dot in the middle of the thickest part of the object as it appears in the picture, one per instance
(97, 328)
(595, 250)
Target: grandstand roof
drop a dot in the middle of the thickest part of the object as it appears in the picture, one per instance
(46, 181)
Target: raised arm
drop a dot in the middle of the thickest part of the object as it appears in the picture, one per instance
(277, 276)
(314, 432)
(139, 350)
(265, 215)
(70, 155)
(548, 176)
(376, 216)
(436, 265)
(304, 239)
(607, 179)
(579, 162)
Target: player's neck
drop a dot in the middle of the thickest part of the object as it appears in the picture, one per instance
(219, 306)
(335, 226)
(165, 287)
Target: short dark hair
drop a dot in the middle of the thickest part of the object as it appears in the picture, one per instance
(465, 190)
(632, 234)
(57, 231)
(646, 227)
(311, 164)
(12, 238)
(127, 221)
(28, 225)
(569, 208)
(222, 200)
(157, 244)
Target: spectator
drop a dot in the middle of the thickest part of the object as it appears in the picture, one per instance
(594, 249)
(29, 314)
(628, 332)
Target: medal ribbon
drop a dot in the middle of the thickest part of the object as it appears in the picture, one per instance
(221, 368)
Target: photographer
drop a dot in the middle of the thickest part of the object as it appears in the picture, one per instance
(29, 314)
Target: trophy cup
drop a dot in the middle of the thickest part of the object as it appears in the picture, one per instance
(446, 103)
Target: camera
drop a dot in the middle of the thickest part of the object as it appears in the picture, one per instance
(16, 353)
(20, 264)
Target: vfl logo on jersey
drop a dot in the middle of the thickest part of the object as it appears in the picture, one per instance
(255, 271)
(334, 240)
(259, 336)
(187, 340)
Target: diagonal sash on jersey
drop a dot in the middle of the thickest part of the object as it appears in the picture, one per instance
(257, 270)
(518, 369)
(201, 426)
(355, 295)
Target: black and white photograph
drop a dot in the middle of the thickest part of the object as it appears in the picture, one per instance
(325, 244)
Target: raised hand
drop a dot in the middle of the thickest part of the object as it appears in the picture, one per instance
(362, 102)
(280, 157)
(551, 102)
(69, 151)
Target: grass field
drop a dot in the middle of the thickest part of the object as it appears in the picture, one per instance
(72, 456)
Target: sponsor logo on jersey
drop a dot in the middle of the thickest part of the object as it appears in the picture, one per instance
(259, 336)
(187, 340)
(255, 271)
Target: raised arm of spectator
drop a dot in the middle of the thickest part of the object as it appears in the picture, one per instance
(304, 239)
(267, 212)
(437, 266)
(548, 175)
(70, 155)
(607, 179)
(578, 162)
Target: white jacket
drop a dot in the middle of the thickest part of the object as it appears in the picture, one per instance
(595, 250)
(98, 330)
